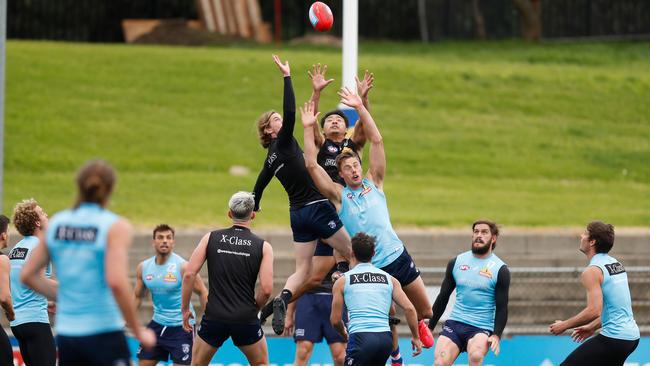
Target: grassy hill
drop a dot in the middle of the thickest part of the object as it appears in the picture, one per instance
(530, 135)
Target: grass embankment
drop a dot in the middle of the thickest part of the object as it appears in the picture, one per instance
(530, 135)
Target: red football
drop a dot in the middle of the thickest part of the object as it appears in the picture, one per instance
(320, 16)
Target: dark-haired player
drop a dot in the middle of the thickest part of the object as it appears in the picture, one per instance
(482, 282)
(609, 305)
(162, 275)
(368, 292)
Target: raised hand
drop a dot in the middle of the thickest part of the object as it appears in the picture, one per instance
(284, 68)
(350, 99)
(317, 76)
(307, 114)
(364, 86)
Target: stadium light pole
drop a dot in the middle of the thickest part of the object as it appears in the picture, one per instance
(3, 41)
(350, 52)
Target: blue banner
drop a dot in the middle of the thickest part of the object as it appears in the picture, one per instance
(516, 351)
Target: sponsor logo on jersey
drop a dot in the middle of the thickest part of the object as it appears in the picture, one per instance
(365, 191)
(485, 272)
(331, 224)
(271, 159)
(18, 253)
(463, 267)
(333, 149)
(170, 277)
(185, 347)
(368, 277)
(85, 235)
(171, 267)
(235, 240)
(350, 195)
(615, 268)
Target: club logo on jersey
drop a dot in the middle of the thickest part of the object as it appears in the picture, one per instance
(333, 149)
(18, 253)
(368, 277)
(185, 347)
(485, 272)
(615, 268)
(149, 277)
(169, 277)
(350, 195)
(463, 267)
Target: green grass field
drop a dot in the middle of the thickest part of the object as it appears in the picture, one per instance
(529, 135)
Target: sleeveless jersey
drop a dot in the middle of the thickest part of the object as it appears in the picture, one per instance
(365, 210)
(476, 280)
(29, 306)
(368, 294)
(617, 319)
(234, 257)
(76, 240)
(164, 282)
(327, 156)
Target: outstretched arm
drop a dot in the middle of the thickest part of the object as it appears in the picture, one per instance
(363, 88)
(263, 180)
(592, 278)
(285, 136)
(446, 289)
(377, 156)
(318, 84)
(322, 180)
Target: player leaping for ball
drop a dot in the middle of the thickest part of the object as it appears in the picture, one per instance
(481, 280)
(362, 207)
(312, 215)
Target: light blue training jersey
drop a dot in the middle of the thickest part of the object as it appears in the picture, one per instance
(476, 280)
(365, 210)
(29, 306)
(76, 240)
(616, 318)
(368, 294)
(164, 282)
